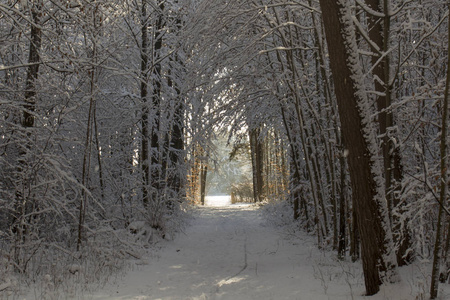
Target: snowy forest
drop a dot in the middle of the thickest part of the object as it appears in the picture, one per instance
(110, 113)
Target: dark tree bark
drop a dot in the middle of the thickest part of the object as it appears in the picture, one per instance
(156, 163)
(203, 174)
(379, 32)
(176, 143)
(33, 69)
(257, 153)
(367, 194)
(355, 244)
(342, 239)
(175, 181)
(144, 155)
(22, 203)
(295, 178)
(379, 35)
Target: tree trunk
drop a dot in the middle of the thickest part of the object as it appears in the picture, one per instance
(257, 152)
(99, 157)
(379, 33)
(28, 118)
(295, 192)
(144, 155)
(175, 172)
(354, 237)
(359, 138)
(156, 151)
(203, 175)
(443, 196)
(295, 179)
(331, 117)
(176, 145)
(175, 181)
(342, 244)
(444, 276)
(33, 69)
(91, 127)
(194, 176)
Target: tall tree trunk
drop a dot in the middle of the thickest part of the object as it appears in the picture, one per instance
(379, 34)
(359, 138)
(33, 69)
(203, 175)
(99, 156)
(86, 165)
(144, 155)
(27, 122)
(355, 242)
(443, 196)
(342, 244)
(257, 152)
(91, 127)
(331, 117)
(175, 181)
(295, 179)
(175, 149)
(156, 144)
(194, 176)
(176, 144)
(444, 277)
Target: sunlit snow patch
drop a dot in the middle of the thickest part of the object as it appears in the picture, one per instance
(218, 200)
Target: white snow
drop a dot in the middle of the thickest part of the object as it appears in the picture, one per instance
(228, 253)
(232, 252)
(218, 200)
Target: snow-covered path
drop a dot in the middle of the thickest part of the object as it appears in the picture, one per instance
(227, 253)
(230, 252)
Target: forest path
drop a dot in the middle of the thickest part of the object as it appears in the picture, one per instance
(227, 253)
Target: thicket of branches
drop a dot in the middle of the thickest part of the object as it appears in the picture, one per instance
(109, 109)
(92, 162)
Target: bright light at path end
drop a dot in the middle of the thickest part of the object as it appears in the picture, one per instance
(223, 200)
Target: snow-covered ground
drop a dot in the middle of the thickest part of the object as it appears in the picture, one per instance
(227, 253)
(231, 252)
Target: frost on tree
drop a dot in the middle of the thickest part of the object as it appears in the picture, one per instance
(359, 136)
